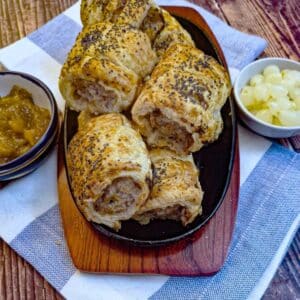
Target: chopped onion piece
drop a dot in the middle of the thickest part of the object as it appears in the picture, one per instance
(289, 118)
(274, 96)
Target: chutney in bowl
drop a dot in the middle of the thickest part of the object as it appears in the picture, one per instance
(22, 123)
(28, 124)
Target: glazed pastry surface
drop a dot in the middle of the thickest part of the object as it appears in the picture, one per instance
(109, 169)
(171, 33)
(176, 192)
(162, 29)
(128, 12)
(105, 67)
(133, 57)
(179, 107)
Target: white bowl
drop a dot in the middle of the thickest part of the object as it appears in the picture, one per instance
(246, 116)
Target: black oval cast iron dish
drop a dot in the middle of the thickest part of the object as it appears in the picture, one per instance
(214, 161)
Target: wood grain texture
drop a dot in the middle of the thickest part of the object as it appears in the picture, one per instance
(18, 280)
(20, 17)
(296, 143)
(276, 21)
(286, 283)
(30, 14)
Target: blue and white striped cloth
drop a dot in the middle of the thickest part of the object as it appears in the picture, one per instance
(268, 214)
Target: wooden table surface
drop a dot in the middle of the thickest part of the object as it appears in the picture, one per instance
(277, 21)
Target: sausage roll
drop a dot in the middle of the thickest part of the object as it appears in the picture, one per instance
(162, 29)
(170, 33)
(104, 68)
(179, 106)
(153, 23)
(176, 192)
(109, 169)
(128, 12)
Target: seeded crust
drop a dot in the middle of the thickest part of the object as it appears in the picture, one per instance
(175, 106)
(176, 192)
(162, 29)
(109, 169)
(128, 12)
(105, 67)
(179, 107)
(171, 33)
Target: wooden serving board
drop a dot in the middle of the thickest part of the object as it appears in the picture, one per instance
(202, 253)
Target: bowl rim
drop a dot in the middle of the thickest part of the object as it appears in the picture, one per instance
(243, 107)
(46, 139)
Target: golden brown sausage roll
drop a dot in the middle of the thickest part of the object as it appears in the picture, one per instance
(176, 192)
(109, 169)
(104, 68)
(128, 12)
(179, 106)
(171, 33)
(95, 11)
(133, 13)
(162, 29)
(153, 22)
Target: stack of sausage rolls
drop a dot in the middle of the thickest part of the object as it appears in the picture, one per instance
(133, 58)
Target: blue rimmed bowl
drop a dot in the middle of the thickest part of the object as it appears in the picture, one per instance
(42, 96)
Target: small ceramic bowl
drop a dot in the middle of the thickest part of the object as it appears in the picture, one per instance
(246, 116)
(42, 96)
